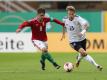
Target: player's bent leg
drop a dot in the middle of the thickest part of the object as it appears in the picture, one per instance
(92, 61)
(82, 53)
(89, 58)
(49, 58)
(79, 58)
(78, 47)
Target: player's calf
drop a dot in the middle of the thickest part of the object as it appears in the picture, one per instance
(44, 50)
(77, 63)
(83, 54)
(42, 64)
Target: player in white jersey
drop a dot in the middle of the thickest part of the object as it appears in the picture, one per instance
(76, 27)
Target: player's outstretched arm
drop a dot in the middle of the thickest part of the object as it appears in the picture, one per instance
(63, 28)
(54, 20)
(58, 22)
(24, 24)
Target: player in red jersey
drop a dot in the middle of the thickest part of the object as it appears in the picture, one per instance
(39, 37)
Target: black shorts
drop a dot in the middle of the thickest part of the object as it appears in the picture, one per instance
(78, 45)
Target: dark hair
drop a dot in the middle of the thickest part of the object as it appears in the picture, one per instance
(41, 10)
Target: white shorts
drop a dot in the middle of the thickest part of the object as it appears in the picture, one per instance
(40, 44)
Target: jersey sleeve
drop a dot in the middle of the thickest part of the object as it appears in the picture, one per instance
(83, 22)
(54, 20)
(58, 22)
(48, 19)
(24, 24)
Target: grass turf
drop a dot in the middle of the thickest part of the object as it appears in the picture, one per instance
(27, 67)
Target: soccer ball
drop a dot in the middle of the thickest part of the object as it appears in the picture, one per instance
(68, 66)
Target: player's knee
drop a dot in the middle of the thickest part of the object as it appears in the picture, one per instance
(44, 49)
(83, 53)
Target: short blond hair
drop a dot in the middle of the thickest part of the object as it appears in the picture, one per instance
(70, 8)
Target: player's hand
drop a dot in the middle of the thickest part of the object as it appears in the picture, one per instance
(63, 37)
(80, 34)
(18, 30)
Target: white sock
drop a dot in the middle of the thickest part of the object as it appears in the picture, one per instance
(79, 57)
(91, 60)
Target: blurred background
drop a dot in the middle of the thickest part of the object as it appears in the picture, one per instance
(16, 59)
(13, 13)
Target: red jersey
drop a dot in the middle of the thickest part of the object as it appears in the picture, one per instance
(39, 28)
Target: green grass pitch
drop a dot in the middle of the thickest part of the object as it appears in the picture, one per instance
(27, 67)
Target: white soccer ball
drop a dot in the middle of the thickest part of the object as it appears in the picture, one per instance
(68, 66)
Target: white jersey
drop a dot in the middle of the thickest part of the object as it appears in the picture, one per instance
(74, 27)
